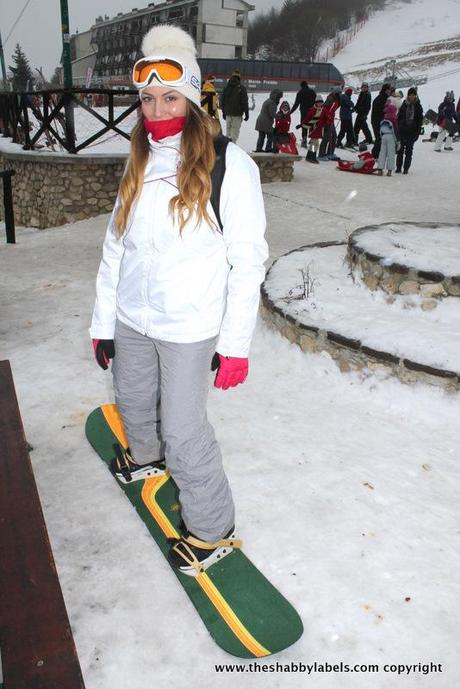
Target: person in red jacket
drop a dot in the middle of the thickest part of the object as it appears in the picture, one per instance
(326, 122)
(282, 126)
(310, 125)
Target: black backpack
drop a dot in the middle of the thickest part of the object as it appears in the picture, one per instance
(217, 175)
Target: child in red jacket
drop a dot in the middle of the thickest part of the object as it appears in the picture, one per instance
(282, 126)
(310, 125)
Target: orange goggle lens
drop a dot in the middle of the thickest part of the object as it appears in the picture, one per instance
(167, 70)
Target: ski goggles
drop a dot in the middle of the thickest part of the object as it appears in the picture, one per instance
(168, 72)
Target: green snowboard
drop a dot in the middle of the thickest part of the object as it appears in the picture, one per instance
(243, 612)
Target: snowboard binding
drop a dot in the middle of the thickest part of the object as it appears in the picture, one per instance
(192, 556)
(125, 469)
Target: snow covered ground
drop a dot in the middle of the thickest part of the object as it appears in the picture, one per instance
(415, 246)
(346, 306)
(346, 488)
(396, 32)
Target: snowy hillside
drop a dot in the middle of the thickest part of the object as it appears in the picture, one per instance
(422, 36)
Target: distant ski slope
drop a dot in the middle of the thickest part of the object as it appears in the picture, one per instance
(416, 35)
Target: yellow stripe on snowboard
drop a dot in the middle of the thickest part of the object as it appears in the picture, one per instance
(150, 488)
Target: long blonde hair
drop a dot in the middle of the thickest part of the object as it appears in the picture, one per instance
(197, 158)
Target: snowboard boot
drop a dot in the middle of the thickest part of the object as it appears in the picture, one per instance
(192, 556)
(125, 469)
(388, 173)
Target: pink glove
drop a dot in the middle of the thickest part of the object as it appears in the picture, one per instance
(231, 372)
(104, 350)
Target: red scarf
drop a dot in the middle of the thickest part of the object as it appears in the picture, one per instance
(160, 129)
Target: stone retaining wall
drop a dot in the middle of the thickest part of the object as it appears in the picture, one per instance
(51, 189)
(275, 167)
(394, 278)
(350, 354)
(54, 189)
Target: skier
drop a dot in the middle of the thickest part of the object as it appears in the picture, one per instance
(447, 118)
(326, 122)
(265, 120)
(304, 99)
(311, 122)
(389, 139)
(209, 100)
(234, 105)
(410, 122)
(362, 108)
(378, 106)
(172, 290)
(346, 125)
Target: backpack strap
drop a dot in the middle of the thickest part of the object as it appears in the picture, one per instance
(217, 175)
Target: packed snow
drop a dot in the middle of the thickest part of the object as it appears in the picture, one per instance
(345, 486)
(422, 248)
(340, 303)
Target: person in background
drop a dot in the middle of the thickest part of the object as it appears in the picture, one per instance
(378, 106)
(362, 108)
(304, 99)
(389, 139)
(282, 126)
(265, 120)
(327, 125)
(447, 123)
(410, 122)
(234, 105)
(209, 99)
(311, 121)
(346, 121)
(396, 97)
(174, 293)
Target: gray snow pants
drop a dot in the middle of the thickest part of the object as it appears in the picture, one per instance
(161, 390)
(387, 152)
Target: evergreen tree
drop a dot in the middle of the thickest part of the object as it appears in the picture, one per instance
(296, 30)
(23, 79)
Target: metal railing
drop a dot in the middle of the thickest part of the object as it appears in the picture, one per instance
(36, 119)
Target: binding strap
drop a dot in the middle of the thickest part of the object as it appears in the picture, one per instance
(123, 462)
(183, 549)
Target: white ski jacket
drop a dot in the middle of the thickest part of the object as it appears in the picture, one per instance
(189, 288)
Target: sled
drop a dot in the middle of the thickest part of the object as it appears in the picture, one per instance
(288, 146)
(364, 165)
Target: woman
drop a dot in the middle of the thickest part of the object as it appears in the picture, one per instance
(265, 121)
(172, 290)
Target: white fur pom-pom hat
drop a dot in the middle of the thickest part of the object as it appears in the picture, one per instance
(166, 42)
